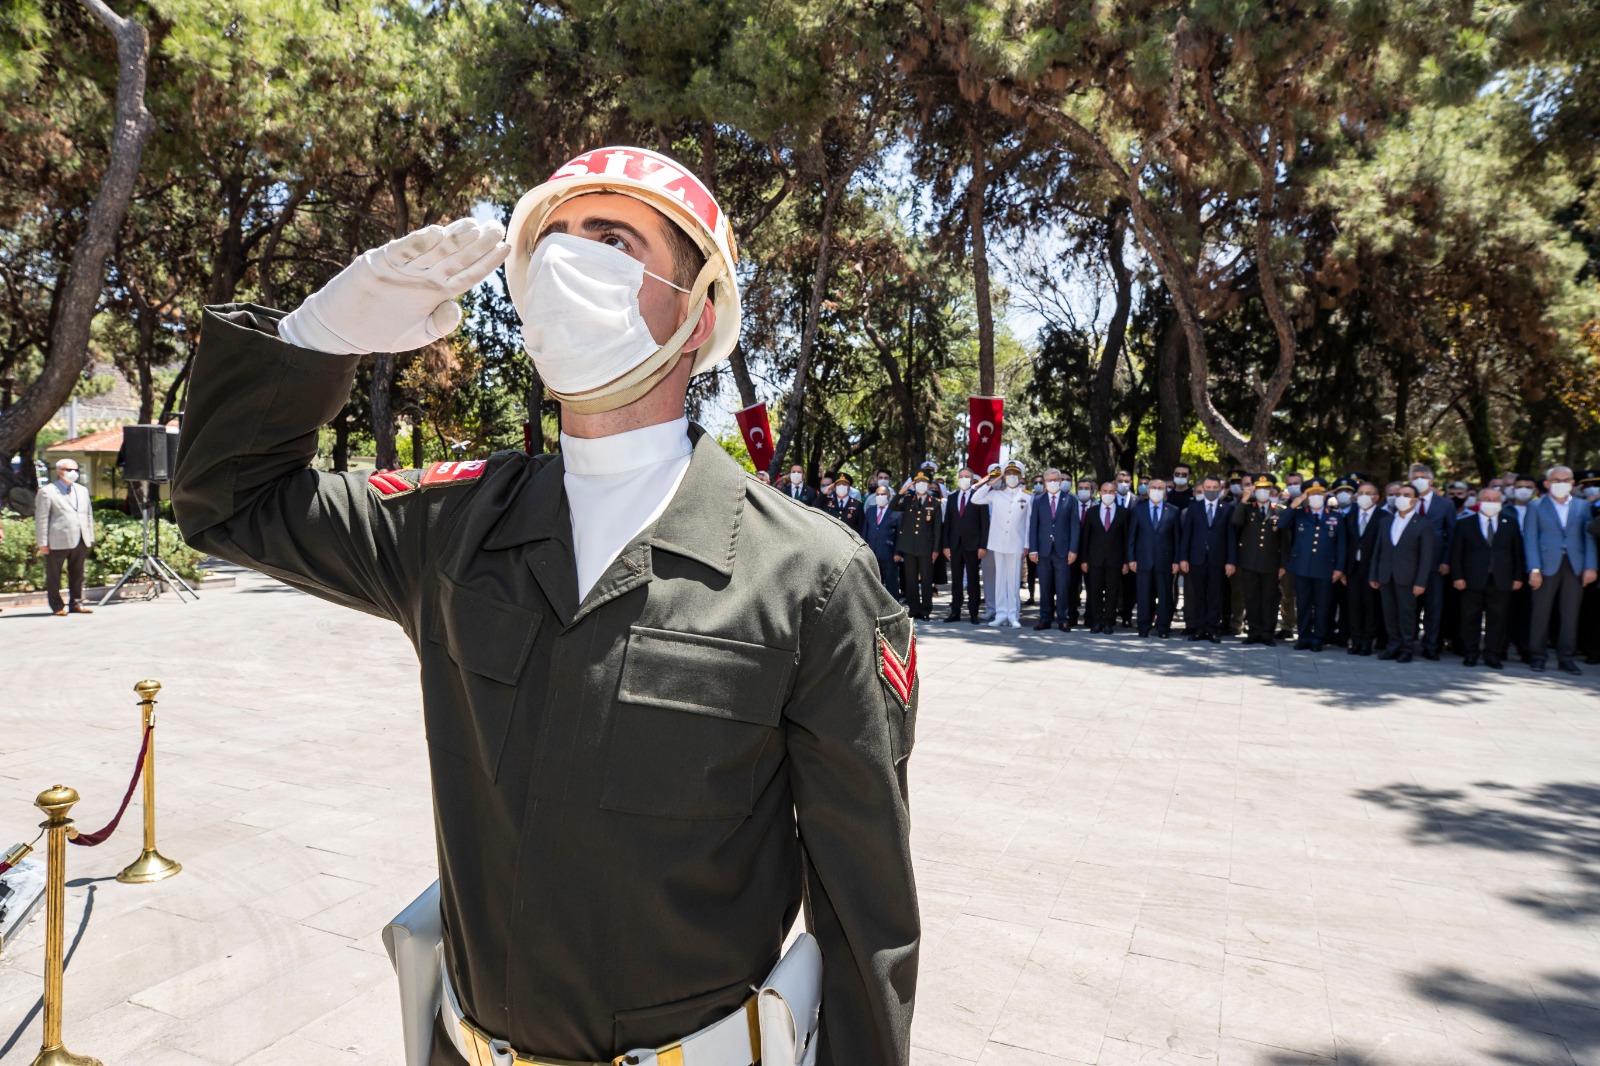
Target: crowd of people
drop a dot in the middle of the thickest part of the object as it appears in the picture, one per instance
(1394, 570)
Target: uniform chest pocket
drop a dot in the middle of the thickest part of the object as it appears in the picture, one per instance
(470, 675)
(695, 723)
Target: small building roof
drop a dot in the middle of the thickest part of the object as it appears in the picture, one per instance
(105, 440)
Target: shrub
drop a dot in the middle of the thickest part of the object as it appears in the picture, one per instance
(116, 547)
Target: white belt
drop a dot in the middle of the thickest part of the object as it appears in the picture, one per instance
(777, 1025)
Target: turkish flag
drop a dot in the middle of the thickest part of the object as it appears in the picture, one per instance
(757, 434)
(983, 432)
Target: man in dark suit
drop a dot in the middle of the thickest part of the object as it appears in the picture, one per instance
(1103, 558)
(1488, 565)
(1440, 512)
(966, 539)
(1153, 557)
(796, 489)
(1364, 605)
(1207, 554)
(1084, 500)
(1407, 553)
(1053, 545)
(882, 525)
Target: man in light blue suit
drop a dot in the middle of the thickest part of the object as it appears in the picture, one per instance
(1561, 561)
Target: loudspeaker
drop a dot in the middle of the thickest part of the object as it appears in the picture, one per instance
(148, 453)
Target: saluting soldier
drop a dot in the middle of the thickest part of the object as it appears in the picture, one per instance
(921, 537)
(1316, 559)
(845, 507)
(663, 707)
(1263, 558)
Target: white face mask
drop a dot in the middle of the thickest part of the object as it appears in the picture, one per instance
(1262, 495)
(1012, 481)
(1561, 489)
(1366, 502)
(1293, 491)
(1421, 484)
(1490, 507)
(795, 477)
(583, 326)
(1108, 498)
(1343, 498)
(1523, 495)
(1404, 503)
(882, 497)
(964, 482)
(920, 488)
(69, 476)
(1316, 502)
(1180, 481)
(1052, 487)
(1157, 495)
(1122, 488)
(841, 491)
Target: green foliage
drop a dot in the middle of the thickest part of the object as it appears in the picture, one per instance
(117, 546)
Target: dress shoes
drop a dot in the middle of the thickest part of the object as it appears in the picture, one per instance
(1197, 636)
(1493, 662)
(1353, 650)
(1469, 660)
(62, 612)
(1536, 665)
(1570, 667)
(1065, 627)
(1302, 645)
(81, 610)
(1403, 657)
(975, 620)
(1040, 625)
(951, 618)
(1315, 646)
(1430, 654)
(1388, 654)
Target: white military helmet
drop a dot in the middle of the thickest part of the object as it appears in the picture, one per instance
(664, 185)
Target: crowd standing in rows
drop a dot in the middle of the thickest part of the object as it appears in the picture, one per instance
(1394, 571)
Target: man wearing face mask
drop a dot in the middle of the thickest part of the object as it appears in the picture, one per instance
(845, 507)
(1128, 599)
(1440, 513)
(993, 474)
(1364, 524)
(1316, 555)
(1561, 559)
(1488, 565)
(1522, 493)
(1343, 504)
(1405, 557)
(921, 538)
(64, 524)
(1053, 546)
(1181, 493)
(795, 487)
(1262, 553)
(1103, 558)
(882, 524)
(1206, 554)
(664, 709)
(1083, 499)
(1153, 558)
(1008, 540)
(966, 543)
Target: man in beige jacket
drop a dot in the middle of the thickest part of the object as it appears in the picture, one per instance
(64, 522)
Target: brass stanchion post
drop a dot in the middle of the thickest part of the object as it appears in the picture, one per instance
(151, 865)
(56, 803)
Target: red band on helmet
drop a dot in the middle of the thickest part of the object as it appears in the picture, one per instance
(653, 170)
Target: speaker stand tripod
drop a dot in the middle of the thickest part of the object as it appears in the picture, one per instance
(150, 566)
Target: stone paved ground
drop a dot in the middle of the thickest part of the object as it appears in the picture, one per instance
(1127, 851)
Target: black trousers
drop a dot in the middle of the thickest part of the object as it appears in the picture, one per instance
(1314, 598)
(1364, 610)
(1399, 616)
(1055, 580)
(919, 585)
(1260, 602)
(1130, 596)
(1207, 599)
(889, 574)
(1155, 598)
(965, 568)
(73, 559)
(1075, 588)
(1105, 591)
(1477, 606)
(1433, 610)
(1562, 592)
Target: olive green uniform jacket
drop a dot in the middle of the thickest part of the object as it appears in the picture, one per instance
(632, 792)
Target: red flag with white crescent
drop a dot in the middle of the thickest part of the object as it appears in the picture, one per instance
(984, 414)
(757, 432)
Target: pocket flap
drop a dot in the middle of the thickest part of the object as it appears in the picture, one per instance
(483, 634)
(705, 675)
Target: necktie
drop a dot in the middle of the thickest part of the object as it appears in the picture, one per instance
(1155, 517)
(962, 507)
(1052, 507)
(1423, 507)
(1105, 517)
(1211, 512)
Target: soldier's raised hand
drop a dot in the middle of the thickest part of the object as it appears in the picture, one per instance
(400, 296)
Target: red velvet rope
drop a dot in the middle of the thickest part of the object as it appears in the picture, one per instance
(89, 840)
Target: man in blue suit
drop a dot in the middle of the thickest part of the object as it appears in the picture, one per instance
(1316, 559)
(882, 527)
(1561, 561)
(1053, 545)
(1153, 555)
(1207, 552)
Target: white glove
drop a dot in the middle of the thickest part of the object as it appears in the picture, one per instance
(400, 296)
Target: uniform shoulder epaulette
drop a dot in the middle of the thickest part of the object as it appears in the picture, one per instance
(391, 483)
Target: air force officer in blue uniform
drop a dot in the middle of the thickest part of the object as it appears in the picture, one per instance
(1316, 559)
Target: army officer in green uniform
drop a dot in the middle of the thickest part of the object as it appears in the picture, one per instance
(664, 706)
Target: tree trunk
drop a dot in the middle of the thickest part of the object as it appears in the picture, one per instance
(341, 442)
(1477, 419)
(68, 350)
(1169, 410)
(147, 352)
(388, 457)
(741, 376)
(419, 446)
(1530, 449)
(977, 187)
(1102, 442)
(1401, 453)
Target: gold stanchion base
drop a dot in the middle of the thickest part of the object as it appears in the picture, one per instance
(60, 1056)
(150, 866)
